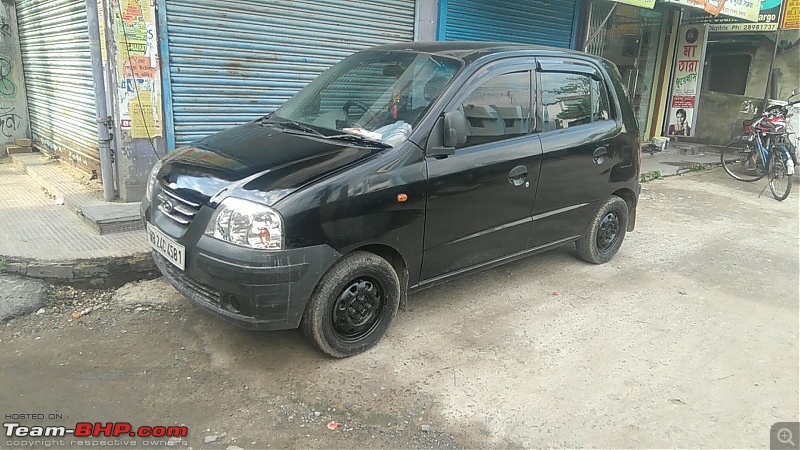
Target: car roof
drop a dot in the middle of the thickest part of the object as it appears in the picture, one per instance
(469, 51)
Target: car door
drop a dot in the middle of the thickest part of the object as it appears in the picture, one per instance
(480, 198)
(576, 127)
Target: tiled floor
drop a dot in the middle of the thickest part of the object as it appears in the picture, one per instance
(33, 226)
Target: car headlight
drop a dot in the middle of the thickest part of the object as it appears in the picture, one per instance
(247, 223)
(151, 180)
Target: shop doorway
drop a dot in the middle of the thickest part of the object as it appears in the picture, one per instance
(631, 39)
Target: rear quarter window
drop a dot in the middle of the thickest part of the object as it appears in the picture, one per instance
(573, 99)
(566, 100)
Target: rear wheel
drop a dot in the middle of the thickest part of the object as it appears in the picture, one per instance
(604, 236)
(780, 181)
(741, 160)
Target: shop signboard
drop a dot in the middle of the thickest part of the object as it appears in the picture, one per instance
(687, 74)
(768, 19)
(640, 3)
(791, 15)
(741, 9)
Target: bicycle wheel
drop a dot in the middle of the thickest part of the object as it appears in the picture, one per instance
(741, 160)
(780, 182)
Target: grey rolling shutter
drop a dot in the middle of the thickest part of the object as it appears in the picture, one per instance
(54, 40)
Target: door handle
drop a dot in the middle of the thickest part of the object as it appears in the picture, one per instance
(600, 154)
(518, 175)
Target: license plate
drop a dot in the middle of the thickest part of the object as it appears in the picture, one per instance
(174, 252)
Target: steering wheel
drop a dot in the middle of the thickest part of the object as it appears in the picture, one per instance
(367, 111)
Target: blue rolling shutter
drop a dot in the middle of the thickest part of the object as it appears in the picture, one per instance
(231, 62)
(524, 21)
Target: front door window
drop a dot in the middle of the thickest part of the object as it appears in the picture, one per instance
(499, 109)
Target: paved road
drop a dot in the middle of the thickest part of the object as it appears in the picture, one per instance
(688, 338)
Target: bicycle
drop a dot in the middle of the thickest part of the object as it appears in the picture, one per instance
(764, 150)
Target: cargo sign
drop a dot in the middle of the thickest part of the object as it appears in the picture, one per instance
(791, 16)
(740, 9)
(767, 19)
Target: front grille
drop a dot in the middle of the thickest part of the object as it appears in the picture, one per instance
(176, 207)
(200, 290)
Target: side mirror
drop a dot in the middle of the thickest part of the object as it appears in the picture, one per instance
(455, 129)
(449, 132)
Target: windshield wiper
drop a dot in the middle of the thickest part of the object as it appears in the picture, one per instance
(299, 126)
(360, 139)
(293, 125)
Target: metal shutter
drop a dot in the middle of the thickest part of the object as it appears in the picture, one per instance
(524, 21)
(54, 39)
(233, 61)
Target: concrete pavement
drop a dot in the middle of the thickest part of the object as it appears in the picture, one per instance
(680, 157)
(43, 238)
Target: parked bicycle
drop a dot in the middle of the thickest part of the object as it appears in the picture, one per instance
(765, 149)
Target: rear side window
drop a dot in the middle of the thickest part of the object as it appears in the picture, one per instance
(566, 100)
(499, 109)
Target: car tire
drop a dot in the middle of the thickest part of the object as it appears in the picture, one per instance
(606, 232)
(353, 305)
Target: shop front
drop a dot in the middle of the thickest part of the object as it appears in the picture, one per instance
(638, 40)
(746, 62)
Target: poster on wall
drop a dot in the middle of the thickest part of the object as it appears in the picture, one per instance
(686, 78)
(138, 68)
(791, 15)
(768, 18)
(740, 9)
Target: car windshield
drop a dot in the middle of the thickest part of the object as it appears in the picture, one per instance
(377, 95)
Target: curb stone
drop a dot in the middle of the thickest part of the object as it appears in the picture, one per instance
(109, 272)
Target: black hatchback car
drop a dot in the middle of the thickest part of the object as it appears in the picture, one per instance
(401, 167)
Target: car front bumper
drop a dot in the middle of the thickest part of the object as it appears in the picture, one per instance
(254, 289)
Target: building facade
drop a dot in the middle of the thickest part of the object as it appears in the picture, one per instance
(740, 72)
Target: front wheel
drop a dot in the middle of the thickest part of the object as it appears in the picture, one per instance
(780, 181)
(353, 305)
(604, 236)
(741, 160)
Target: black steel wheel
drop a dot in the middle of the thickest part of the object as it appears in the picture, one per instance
(741, 160)
(357, 309)
(605, 233)
(608, 233)
(353, 305)
(780, 181)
